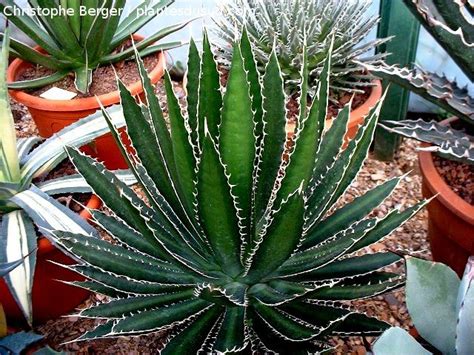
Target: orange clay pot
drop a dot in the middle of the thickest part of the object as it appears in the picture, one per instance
(51, 116)
(357, 116)
(51, 298)
(451, 219)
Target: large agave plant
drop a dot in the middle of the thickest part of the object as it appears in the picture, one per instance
(289, 26)
(451, 24)
(233, 248)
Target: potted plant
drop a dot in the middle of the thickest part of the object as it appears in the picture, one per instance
(84, 39)
(446, 161)
(435, 296)
(236, 241)
(290, 26)
(27, 209)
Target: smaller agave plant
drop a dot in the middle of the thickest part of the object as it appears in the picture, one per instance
(24, 206)
(90, 35)
(234, 250)
(451, 23)
(435, 296)
(292, 27)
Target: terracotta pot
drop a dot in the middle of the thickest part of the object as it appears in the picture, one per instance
(451, 219)
(51, 298)
(51, 116)
(358, 115)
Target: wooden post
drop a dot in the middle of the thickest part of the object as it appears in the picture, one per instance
(396, 20)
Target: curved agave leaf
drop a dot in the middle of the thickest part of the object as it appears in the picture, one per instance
(433, 87)
(51, 152)
(449, 29)
(446, 141)
(219, 253)
(77, 184)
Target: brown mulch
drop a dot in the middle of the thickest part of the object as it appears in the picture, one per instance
(459, 176)
(410, 238)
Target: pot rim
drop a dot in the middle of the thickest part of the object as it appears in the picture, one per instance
(439, 187)
(81, 104)
(46, 247)
(363, 110)
(359, 114)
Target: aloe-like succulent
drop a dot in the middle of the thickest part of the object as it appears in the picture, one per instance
(81, 35)
(233, 248)
(25, 207)
(451, 25)
(291, 26)
(450, 302)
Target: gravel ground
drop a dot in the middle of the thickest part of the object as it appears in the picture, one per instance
(409, 239)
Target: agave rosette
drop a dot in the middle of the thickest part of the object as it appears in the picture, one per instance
(233, 248)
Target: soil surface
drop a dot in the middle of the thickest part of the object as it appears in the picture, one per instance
(103, 78)
(409, 239)
(459, 176)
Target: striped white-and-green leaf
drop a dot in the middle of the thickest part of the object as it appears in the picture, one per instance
(77, 184)
(50, 215)
(18, 242)
(51, 152)
(9, 161)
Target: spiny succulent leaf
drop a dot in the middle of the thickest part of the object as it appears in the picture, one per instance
(192, 89)
(351, 267)
(254, 82)
(231, 335)
(160, 318)
(274, 138)
(432, 87)
(281, 239)
(237, 139)
(210, 97)
(350, 213)
(183, 151)
(358, 288)
(309, 131)
(195, 334)
(132, 305)
(445, 140)
(217, 208)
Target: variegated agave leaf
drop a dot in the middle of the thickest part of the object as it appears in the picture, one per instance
(291, 25)
(445, 140)
(234, 249)
(451, 24)
(432, 87)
